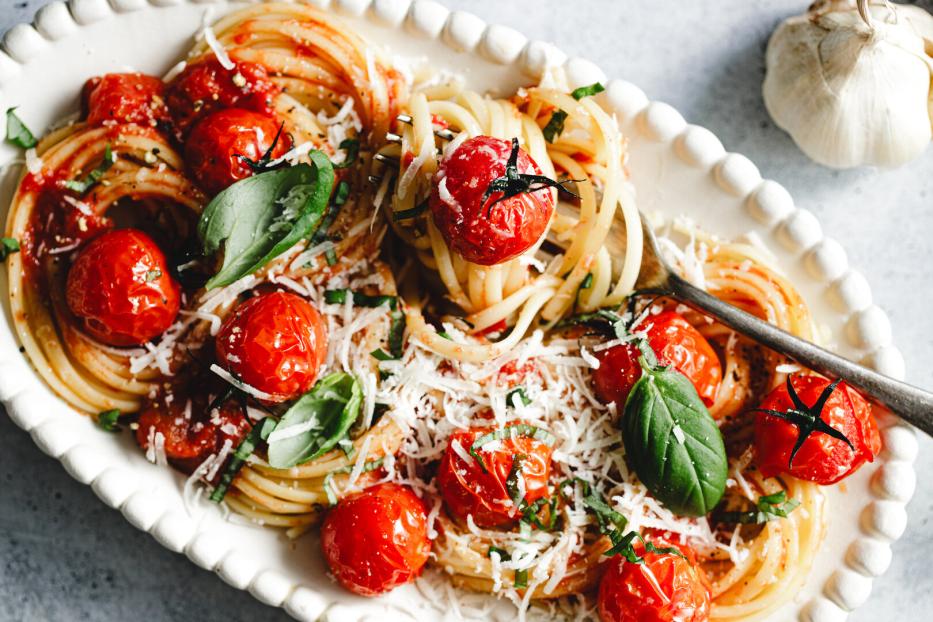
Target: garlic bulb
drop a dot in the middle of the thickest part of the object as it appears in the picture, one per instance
(850, 82)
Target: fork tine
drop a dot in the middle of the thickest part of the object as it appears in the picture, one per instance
(380, 157)
(444, 134)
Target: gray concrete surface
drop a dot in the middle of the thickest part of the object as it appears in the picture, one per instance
(65, 556)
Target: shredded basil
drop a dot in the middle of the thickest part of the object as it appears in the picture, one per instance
(369, 466)
(769, 507)
(587, 91)
(352, 148)
(407, 214)
(502, 553)
(16, 131)
(330, 408)
(511, 482)
(521, 578)
(260, 217)
(81, 186)
(587, 281)
(244, 450)
(396, 333)
(518, 392)
(381, 355)
(339, 297)
(109, 420)
(343, 191)
(555, 125)
(511, 431)
(8, 246)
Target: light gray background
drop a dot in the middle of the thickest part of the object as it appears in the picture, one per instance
(65, 556)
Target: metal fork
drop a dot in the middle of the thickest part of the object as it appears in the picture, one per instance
(912, 404)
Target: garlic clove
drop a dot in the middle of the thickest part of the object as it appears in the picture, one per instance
(850, 93)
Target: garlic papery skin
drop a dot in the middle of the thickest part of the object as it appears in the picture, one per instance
(850, 82)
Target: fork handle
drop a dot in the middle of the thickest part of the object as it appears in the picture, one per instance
(912, 404)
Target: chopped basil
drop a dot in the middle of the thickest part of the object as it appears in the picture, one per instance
(414, 212)
(531, 516)
(587, 281)
(521, 578)
(8, 246)
(81, 186)
(516, 494)
(323, 415)
(587, 91)
(339, 297)
(352, 148)
(343, 191)
(555, 125)
(244, 450)
(152, 275)
(769, 507)
(502, 553)
(369, 466)
(511, 431)
(260, 217)
(381, 355)
(16, 131)
(109, 420)
(521, 575)
(330, 256)
(518, 392)
(396, 333)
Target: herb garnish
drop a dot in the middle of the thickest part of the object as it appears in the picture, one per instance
(262, 164)
(518, 392)
(244, 450)
(516, 494)
(152, 275)
(587, 91)
(521, 575)
(769, 507)
(322, 417)
(8, 246)
(555, 125)
(16, 131)
(352, 148)
(81, 186)
(260, 217)
(109, 420)
(339, 297)
(369, 466)
(808, 419)
(513, 183)
(511, 431)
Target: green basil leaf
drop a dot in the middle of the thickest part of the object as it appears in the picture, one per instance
(16, 131)
(511, 431)
(260, 217)
(109, 420)
(81, 186)
(352, 148)
(327, 412)
(587, 91)
(555, 125)
(328, 485)
(244, 450)
(8, 246)
(339, 297)
(518, 392)
(688, 477)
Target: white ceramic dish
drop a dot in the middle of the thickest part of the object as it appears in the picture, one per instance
(677, 168)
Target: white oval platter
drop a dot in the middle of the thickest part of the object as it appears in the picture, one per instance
(677, 168)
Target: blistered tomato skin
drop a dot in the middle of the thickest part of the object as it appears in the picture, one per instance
(190, 435)
(821, 459)
(675, 342)
(376, 540)
(276, 343)
(666, 588)
(216, 142)
(468, 490)
(120, 288)
(124, 98)
(204, 87)
(479, 234)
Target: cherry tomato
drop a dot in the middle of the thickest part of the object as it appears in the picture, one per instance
(822, 458)
(480, 233)
(124, 98)
(274, 342)
(217, 140)
(206, 86)
(376, 540)
(468, 489)
(190, 432)
(121, 288)
(666, 588)
(676, 343)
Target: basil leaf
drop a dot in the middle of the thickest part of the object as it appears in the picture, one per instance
(109, 420)
(518, 392)
(260, 217)
(328, 485)
(587, 91)
(688, 477)
(555, 125)
(769, 507)
(511, 431)
(339, 297)
(81, 186)
(244, 450)
(8, 246)
(16, 131)
(327, 411)
(352, 148)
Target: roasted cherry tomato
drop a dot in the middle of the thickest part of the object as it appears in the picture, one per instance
(481, 232)
(665, 588)
(274, 342)
(376, 540)
(469, 489)
(120, 287)
(187, 431)
(822, 458)
(124, 98)
(216, 142)
(676, 343)
(206, 86)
